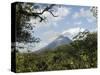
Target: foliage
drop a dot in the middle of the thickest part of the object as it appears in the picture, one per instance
(24, 12)
(94, 11)
(77, 55)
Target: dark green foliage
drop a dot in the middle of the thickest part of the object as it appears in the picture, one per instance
(24, 29)
(77, 55)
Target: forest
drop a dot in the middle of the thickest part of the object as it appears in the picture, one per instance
(79, 54)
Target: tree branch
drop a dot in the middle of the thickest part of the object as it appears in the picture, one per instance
(38, 14)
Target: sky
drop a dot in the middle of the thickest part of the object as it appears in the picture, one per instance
(69, 21)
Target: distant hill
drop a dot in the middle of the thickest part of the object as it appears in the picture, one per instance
(64, 38)
(60, 40)
(79, 54)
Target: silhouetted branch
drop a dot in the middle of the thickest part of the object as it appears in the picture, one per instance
(35, 15)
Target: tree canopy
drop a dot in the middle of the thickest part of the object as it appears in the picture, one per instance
(24, 11)
(77, 55)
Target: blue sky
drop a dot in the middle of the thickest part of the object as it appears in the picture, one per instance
(70, 19)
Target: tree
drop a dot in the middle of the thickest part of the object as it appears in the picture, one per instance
(24, 30)
(94, 11)
(87, 49)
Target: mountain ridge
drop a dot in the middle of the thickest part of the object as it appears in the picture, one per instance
(60, 40)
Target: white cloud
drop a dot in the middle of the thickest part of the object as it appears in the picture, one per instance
(90, 20)
(72, 32)
(78, 23)
(76, 15)
(51, 35)
(60, 12)
(84, 14)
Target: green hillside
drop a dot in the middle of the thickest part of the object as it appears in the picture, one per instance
(77, 55)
